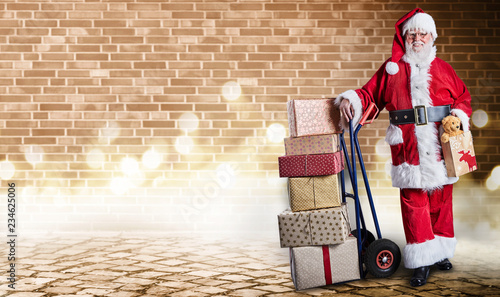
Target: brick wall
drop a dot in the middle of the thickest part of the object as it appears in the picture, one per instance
(91, 88)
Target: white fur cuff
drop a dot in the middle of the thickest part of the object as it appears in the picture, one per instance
(393, 135)
(427, 253)
(355, 101)
(463, 118)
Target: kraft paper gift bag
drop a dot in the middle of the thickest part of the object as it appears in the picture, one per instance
(459, 155)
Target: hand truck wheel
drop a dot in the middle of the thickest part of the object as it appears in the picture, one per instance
(382, 258)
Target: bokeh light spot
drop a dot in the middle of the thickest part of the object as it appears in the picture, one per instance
(275, 133)
(188, 122)
(7, 170)
(382, 148)
(225, 175)
(491, 184)
(95, 159)
(151, 159)
(34, 154)
(120, 185)
(110, 132)
(495, 174)
(388, 167)
(129, 166)
(184, 144)
(231, 90)
(479, 118)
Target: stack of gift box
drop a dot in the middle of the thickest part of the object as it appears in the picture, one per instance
(316, 227)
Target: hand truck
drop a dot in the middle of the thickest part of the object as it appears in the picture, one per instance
(381, 257)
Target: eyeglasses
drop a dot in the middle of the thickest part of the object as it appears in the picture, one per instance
(413, 35)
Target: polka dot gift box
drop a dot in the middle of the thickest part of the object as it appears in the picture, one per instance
(317, 227)
(310, 145)
(316, 266)
(313, 117)
(311, 165)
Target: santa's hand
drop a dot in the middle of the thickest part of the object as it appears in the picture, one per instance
(346, 109)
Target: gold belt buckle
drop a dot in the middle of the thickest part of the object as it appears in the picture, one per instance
(417, 119)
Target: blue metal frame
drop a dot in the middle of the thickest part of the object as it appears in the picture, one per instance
(351, 168)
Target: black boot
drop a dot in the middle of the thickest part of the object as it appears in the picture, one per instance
(420, 276)
(444, 265)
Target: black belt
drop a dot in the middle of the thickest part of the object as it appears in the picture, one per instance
(419, 115)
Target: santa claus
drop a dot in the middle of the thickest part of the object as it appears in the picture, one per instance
(419, 90)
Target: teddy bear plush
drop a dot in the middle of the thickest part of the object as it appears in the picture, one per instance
(451, 126)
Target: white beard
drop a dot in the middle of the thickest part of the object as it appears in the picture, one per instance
(422, 56)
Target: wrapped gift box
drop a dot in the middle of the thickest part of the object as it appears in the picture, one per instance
(459, 155)
(317, 227)
(315, 144)
(313, 192)
(310, 165)
(315, 266)
(313, 117)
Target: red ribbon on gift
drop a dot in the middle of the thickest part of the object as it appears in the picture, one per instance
(326, 265)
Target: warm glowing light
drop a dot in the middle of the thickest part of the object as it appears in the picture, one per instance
(53, 194)
(275, 133)
(29, 194)
(7, 170)
(110, 132)
(276, 181)
(491, 184)
(151, 159)
(160, 182)
(129, 166)
(188, 122)
(225, 175)
(120, 185)
(231, 90)
(495, 174)
(34, 154)
(95, 159)
(136, 179)
(480, 118)
(184, 144)
(382, 148)
(388, 167)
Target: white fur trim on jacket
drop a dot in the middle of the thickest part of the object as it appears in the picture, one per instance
(463, 118)
(431, 173)
(355, 101)
(393, 135)
(427, 253)
(391, 68)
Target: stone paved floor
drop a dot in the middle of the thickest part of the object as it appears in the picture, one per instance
(171, 265)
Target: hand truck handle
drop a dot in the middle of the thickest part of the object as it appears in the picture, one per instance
(367, 114)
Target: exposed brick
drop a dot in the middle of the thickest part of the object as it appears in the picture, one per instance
(70, 69)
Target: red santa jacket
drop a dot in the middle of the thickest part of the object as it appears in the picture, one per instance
(416, 150)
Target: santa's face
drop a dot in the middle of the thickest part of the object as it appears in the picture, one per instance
(417, 39)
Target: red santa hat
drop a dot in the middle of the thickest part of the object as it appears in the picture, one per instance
(415, 19)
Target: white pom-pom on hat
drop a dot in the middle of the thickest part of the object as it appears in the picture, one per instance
(391, 68)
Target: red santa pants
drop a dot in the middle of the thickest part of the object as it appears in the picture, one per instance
(428, 225)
